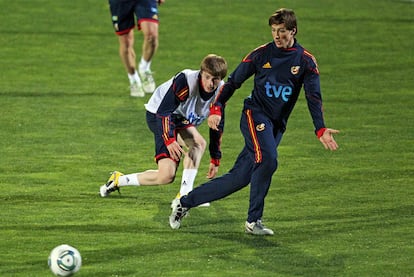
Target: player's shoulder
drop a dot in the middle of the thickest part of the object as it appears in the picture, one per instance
(307, 54)
(186, 74)
(257, 52)
(264, 47)
(308, 58)
(187, 78)
(304, 52)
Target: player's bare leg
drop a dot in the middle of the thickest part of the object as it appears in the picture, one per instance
(196, 146)
(165, 174)
(128, 58)
(149, 47)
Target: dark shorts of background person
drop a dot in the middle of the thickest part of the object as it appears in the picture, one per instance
(123, 13)
(161, 150)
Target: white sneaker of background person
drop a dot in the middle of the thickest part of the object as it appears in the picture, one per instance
(136, 89)
(145, 73)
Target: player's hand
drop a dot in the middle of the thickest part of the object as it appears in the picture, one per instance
(212, 171)
(214, 121)
(327, 139)
(175, 151)
(160, 2)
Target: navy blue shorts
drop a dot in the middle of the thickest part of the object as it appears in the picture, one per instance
(161, 150)
(124, 12)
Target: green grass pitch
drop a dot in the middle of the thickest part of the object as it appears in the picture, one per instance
(66, 121)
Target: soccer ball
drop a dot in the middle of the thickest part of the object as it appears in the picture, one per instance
(64, 260)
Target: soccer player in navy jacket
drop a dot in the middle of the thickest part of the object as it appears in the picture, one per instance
(280, 69)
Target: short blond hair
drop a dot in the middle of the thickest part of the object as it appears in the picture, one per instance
(214, 65)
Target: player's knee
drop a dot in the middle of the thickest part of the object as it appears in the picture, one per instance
(201, 144)
(152, 38)
(272, 165)
(165, 179)
(270, 162)
(198, 148)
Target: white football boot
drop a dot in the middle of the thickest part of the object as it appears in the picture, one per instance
(148, 83)
(257, 228)
(136, 90)
(177, 213)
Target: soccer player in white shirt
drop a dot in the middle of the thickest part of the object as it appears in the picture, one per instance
(174, 112)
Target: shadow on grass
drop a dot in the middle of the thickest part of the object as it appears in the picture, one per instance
(212, 236)
(212, 240)
(224, 230)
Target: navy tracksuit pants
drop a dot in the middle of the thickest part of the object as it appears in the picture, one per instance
(255, 165)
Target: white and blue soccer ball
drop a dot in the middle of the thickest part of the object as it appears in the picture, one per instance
(64, 260)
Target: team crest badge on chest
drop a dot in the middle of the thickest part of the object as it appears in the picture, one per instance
(295, 69)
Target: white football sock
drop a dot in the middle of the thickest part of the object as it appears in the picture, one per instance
(134, 78)
(144, 65)
(187, 181)
(128, 180)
